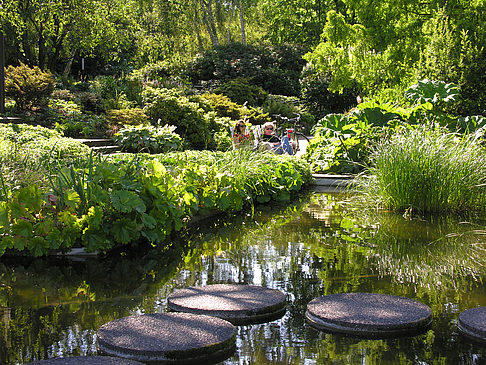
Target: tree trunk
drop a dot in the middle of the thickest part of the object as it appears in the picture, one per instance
(67, 68)
(195, 20)
(242, 23)
(208, 18)
(228, 35)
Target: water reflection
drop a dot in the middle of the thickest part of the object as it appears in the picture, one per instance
(317, 245)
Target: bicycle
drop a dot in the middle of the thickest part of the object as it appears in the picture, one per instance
(291, 128)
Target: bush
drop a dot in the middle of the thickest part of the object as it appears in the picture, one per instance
(317, 98)
(132, 116)
(169, 106)
(29, 87)
(148, 139)
(86, 125)
(223, 106)
(243, 91)
(161, 74)
(275, 69)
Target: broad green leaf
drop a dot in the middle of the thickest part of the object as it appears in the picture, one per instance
(4, 222)
(124, 230)
(31, 198)
(126, 201)
(22, 228)
(38, 246)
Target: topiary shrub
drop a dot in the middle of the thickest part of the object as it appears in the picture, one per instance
(148, 139)
(29, 87)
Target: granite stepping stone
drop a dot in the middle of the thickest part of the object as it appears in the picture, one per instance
(368, 314)
(472, 323)
(168, 338)
(86, 360)
(236, 303)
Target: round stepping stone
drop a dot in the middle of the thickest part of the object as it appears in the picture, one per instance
(368, 314)
(472, 323)
(168, 338)
(86, 360)
(236, 303)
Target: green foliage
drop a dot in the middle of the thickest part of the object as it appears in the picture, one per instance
(169, 106)
(319, 100)
(429, 170)
(343, 141)
(433, 92)
(132, 116)
(162, 74)
(84, 125)
(29, 87)
(243, 91)
(275, 69)
(223, 106)
(126, 200)
(148, 139)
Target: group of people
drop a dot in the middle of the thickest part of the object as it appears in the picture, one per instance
(268, 140)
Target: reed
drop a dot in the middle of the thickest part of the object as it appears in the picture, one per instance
(429, 170)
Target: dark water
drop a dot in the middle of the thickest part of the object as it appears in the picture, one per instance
(316, 246)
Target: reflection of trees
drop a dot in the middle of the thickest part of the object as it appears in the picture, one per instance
(295, 248)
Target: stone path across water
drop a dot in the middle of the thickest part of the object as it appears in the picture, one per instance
(86, 360)
(472, 323)
(168, 338)
(237, 303)
(368, 314)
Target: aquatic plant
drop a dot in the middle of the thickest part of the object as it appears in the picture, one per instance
(428, 170)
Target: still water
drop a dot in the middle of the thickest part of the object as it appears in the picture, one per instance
(317, 245)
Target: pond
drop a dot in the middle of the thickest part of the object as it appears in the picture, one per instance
(317, 245)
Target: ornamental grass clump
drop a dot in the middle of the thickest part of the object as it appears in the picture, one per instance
(429, 170)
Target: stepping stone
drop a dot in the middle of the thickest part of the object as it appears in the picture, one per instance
(236, 303)
(472, 323)
(86, 360)
(368, 314)
(168, 338)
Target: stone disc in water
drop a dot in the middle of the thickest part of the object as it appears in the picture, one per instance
(86, 360)
(237, 303)
(368, 314)
(472, 323)
(168, 338)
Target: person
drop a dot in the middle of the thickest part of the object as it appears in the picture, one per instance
(269, 141)
(240, 138)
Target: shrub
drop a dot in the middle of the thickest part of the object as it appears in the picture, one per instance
(90, 102)
(29, 87)
(161, 74)
(223, 106)
(148, 139)
(169, 106)
(274, 68)
(317, 98)
(132, 116)
(84, 125)
(429, 170)
(243, 91)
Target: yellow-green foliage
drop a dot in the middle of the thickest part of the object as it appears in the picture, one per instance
(223, 105)
(133, 116)
(29, 87)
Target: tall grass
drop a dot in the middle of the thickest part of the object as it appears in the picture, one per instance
(430, 170)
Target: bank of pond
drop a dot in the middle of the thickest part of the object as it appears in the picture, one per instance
(315, 245)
